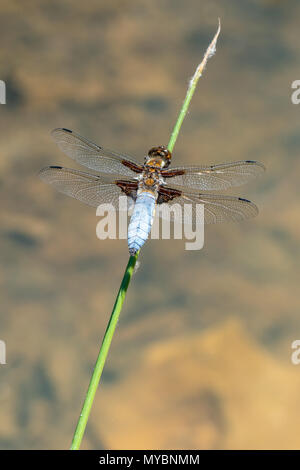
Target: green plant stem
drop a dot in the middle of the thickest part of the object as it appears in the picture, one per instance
(85, 412)
(107, 339)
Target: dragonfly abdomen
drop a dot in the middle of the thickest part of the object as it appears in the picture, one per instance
(141, 221)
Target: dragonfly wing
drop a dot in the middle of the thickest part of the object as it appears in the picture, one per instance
(90, 189)
(217, 208)
(93, 156)
(213, 177)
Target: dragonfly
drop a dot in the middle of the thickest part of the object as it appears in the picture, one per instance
(150, 184)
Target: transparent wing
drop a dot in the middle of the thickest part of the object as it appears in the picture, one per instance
(217, 209)
(90, 189)
(213, 177)
(93, 156)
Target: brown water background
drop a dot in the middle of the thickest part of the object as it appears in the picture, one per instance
(202, 354)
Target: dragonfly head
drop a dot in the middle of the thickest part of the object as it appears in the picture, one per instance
(159, 157)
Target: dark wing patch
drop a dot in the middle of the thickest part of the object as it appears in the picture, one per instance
(133, 166)
(128, 187)
(172, 173)
(167, 194)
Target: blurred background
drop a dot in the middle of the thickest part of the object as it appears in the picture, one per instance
(201, 358)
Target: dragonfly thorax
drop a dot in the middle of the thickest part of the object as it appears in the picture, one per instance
(150, 179)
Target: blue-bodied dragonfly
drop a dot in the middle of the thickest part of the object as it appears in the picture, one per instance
(149, 184)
